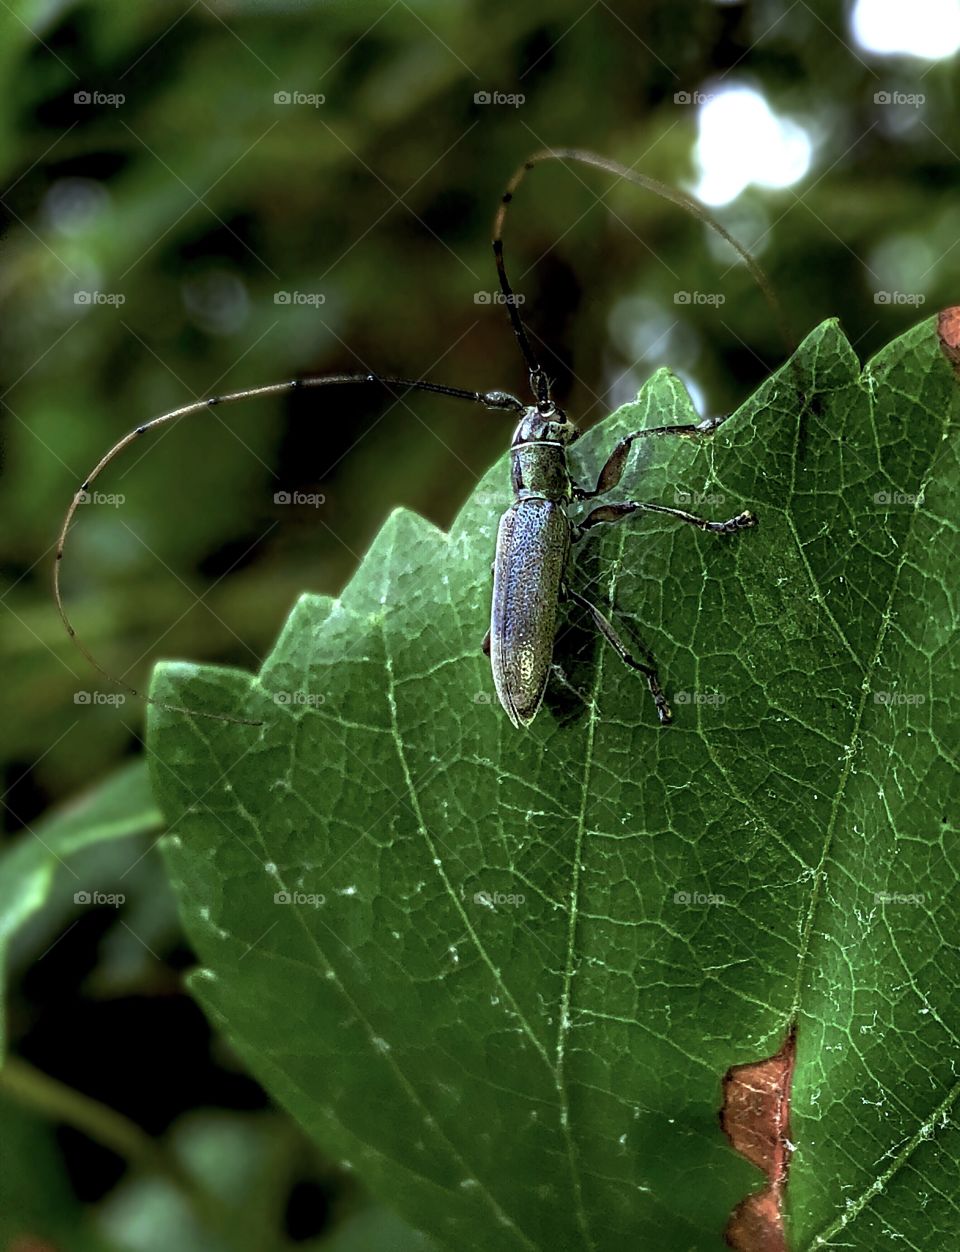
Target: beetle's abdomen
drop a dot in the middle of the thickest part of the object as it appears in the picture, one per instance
(533, 543)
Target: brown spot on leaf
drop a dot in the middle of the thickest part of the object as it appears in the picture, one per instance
(756, 1120)
(948, 331)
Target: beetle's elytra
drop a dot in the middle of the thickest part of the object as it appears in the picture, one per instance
(533, 572)
(533, 548)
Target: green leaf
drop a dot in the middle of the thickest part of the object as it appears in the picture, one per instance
(374, 1230)
(119, 808)
(505, 997)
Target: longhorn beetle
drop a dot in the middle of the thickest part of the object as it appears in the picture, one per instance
(536, 534)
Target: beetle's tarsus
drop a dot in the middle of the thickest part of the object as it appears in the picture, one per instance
(664, 712)
(743, 521)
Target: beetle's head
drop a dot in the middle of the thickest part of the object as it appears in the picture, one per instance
(544, 423)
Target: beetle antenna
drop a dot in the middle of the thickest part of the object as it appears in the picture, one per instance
(539, 383)
(687, 202)
(499, 400)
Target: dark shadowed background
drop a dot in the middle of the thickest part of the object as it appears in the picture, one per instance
(201, 197)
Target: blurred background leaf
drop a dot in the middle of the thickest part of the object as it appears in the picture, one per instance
(40, 870)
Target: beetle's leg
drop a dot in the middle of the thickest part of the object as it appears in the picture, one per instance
(616, 462)
(606, 513)
(485, 646)
(646, 667)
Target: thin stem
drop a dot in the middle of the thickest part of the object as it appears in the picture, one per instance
(60, 1103)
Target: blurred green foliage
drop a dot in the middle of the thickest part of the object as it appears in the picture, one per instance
(198, 198)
